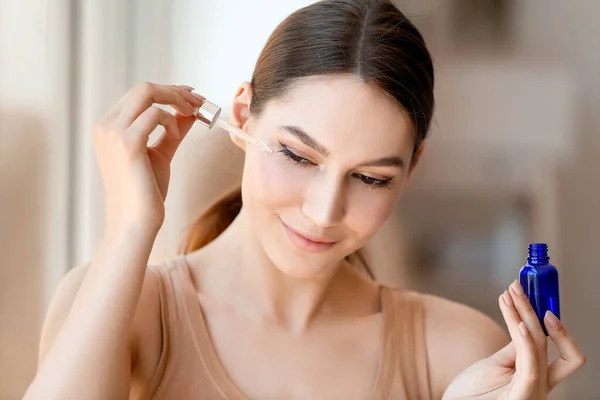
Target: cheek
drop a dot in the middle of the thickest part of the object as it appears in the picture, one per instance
(369, 210)
(276, 183)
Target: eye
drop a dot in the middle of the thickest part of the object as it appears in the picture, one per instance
(373, 182)
(293, 157)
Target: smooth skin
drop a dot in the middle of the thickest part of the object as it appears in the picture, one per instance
(274, 304)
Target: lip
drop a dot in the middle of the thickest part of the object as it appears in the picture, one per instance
(308, 243)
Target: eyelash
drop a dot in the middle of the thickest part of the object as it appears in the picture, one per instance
(372, 183)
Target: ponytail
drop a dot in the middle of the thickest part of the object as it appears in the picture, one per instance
(221, 214)
(213, 222)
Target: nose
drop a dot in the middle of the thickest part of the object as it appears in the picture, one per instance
(324, 202)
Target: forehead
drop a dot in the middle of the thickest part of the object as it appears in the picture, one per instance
(344, 111)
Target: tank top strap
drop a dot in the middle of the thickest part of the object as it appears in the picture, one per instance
(385, 377)
(409, 334)
(166, 296)
(185, 367)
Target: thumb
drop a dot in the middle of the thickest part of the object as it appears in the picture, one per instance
(167, 145)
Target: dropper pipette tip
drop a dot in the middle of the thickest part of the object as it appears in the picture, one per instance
(244, 136)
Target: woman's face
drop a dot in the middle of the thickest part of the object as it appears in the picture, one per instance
(342, 158)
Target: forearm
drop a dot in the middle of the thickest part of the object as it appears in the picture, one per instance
(90, 357)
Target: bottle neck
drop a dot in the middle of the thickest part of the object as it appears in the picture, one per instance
(538, 261)
(538, 254)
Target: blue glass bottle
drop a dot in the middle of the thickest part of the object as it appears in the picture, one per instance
(539, 279)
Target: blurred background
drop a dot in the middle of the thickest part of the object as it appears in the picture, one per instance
(513, 155)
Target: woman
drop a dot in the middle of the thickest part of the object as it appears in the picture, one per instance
(267, 302)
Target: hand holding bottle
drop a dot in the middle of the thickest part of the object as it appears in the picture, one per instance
(520, 371)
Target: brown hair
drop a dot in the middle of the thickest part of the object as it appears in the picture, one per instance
(370, 39)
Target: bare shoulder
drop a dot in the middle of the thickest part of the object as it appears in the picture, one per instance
(60, 305)
(457, 336)
(146, 334)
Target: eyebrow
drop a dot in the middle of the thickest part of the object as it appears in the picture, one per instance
(305, 138)
(392, 161)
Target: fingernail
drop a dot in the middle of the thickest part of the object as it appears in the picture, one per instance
(517, 288)
(551, 319)
(507, 299)
(198, 97)
(522, 329)
(186, 87)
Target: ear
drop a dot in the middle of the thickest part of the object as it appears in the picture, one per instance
(416, 157)
(240, 112)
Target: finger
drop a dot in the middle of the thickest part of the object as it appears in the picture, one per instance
(506, 356)
(114, 111)
(146, 94)
(145, 124)
(571, 357)
(510, 315)
(527, 374)
(529, 317)
(526, 361)
(167, 145)
(194, 99)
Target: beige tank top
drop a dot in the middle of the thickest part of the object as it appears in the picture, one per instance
(189, 367)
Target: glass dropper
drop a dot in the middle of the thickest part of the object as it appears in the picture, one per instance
(209, 115)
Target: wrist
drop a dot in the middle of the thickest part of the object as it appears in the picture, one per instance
(141, 227)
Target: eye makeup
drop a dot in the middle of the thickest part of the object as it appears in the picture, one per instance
(295, 158)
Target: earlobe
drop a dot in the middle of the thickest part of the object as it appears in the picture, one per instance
(416, 157)
(240, 111)
(421, 148)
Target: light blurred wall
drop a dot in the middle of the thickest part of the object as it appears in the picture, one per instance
(23, 159)
(571, 31)
(59, 70)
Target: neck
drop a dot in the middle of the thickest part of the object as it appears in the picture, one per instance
(248, 281)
